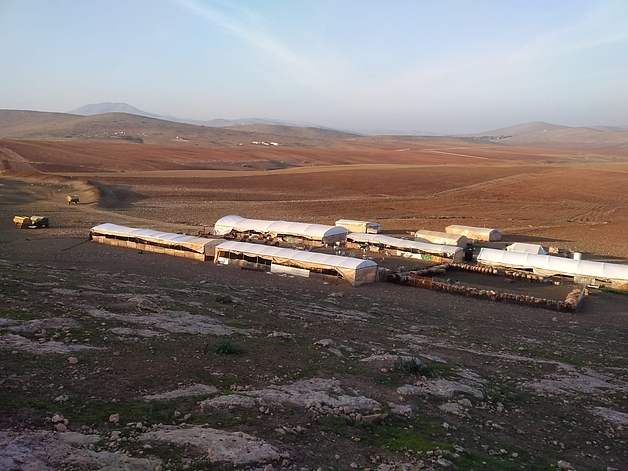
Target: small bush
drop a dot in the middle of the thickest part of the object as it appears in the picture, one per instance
(414, 367)
(227, 348)
(223, 299)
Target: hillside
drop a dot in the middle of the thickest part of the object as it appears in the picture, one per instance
(34, 125)
(541, 134)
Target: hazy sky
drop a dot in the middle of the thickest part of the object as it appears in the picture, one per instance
(441, 66)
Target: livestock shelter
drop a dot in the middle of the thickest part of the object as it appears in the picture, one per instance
(405, 248)
(526, 248)
(548, 265)
(476, 233)
(297, 262)
(148, 240)
(284, 231)
(441, 238)
(366, 227)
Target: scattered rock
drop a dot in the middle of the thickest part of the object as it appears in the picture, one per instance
(439, 387)
(114, 418)
(237, 448)
(562, 464)
(193, 390)
(72, 360)
(620, 418)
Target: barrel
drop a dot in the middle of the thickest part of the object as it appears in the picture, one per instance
(577, 256)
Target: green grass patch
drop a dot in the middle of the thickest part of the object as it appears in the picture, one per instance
(415, 367)
(224, 347)
(622, 292)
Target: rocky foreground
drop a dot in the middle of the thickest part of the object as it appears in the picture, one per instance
(121, 370)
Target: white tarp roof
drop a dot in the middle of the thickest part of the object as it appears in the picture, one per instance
(482, 233)
(353, 222)
(197, 244)
(233, 222)
(526, 248)
(356, 271)
(322, 259)
(380, 239)
(550, 265)
(442, 238)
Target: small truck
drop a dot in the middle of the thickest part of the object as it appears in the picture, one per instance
(72, 199)
(32, 222)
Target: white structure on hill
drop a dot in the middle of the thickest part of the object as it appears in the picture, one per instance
(292, 232)
(526, 248)
(442, 238)
(548, 265)
(297, 262)
(477, 233)
(360, 226)
(148, 240)
(406, 248)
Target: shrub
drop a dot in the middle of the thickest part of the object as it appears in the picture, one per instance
(414, 367)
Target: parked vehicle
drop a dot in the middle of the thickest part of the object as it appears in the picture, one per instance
(32, 222)
(72, 199)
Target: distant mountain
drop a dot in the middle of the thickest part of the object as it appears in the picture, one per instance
(102, 108)
(36, 125)
(540, 134)
(520, 129)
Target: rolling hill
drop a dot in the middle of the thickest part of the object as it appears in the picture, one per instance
(140, 129)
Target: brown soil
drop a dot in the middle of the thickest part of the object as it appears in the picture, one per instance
(543, 376)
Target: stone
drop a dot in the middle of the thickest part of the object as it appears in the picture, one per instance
(60, 427)
(72, 360)
(114, 418)
(562, 464)
(56, 418)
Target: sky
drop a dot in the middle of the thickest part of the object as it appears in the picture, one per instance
(441, 66)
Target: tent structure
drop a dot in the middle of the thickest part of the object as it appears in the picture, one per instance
(548, 265)
(477, 233)
(180, 245)
(441, 238)
(526, 248)
(356, 271)
(407, 247)
(294, 232)
(360, 226)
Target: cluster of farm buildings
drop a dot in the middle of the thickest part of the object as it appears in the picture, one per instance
(316, 250)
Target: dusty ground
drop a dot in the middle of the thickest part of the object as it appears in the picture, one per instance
(123, 346)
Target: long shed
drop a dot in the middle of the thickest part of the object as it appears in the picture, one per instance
(407, 248)
(549, 265)
(478, 233)
(441, 238)
(149, 240)
(367, 227)
(526, 248)
(294, 232)
(356, 271)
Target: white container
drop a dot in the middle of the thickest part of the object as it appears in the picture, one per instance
(577, 256)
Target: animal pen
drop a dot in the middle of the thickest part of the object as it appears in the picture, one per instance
(366, 227)
(441, 238)
(405, 248)
(433, 278)
(584, 271)
(148, 240)
(274, 232)
(476, 233)
(295, 262)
